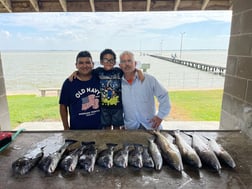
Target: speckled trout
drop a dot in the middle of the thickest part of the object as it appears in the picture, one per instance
(155, 153)
(221, 153)
(206, 155)
(188, 154)
(169, 151)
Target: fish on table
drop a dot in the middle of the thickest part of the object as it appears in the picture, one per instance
(169, 151)
(188, 154)
(206, 155)
(155, 153)
(49, 163)
(69, 163)
(105, 157)
(169, 137)
(88, 157)
(147, 158)
(121, 156)
(135, 156)
(221, 153)
(25, 163)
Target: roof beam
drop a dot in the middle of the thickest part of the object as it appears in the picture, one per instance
(204, 4)
(231, 5)
(7, 4)
(92, 5)
(176, 5)
(120, 5)
(63, 4)
(35, 5)
(148, 5)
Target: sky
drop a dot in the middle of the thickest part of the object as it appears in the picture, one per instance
(117, 30)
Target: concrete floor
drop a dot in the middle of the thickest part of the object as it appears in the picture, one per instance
(167, 125)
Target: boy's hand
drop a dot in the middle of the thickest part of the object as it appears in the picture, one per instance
(140, 75)
(73, 76)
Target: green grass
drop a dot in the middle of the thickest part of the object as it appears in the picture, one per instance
(27, 108)
(199, 105)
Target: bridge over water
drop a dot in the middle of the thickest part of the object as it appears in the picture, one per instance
(199, 66)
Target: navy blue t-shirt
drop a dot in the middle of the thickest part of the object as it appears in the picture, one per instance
(110, 87)
(83, 100)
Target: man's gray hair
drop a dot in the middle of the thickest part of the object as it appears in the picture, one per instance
(127, 53)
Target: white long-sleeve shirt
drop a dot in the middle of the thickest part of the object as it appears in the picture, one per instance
(139, 103)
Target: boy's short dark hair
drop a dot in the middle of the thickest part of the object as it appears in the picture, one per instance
(107, 51)
(83, 54)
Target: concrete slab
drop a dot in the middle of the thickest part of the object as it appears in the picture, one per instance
(237, 144)
(167, 125)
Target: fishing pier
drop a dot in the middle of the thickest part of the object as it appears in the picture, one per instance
(199, 66)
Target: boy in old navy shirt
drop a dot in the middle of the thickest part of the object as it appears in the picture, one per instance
(80, 98)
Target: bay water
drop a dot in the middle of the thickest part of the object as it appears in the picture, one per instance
(27, 71)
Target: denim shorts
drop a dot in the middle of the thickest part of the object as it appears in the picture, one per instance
(111, 117)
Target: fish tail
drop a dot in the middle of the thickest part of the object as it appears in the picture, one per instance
(152, 132)
(206, 137)
(111, 144)
(127, 145)
(176, 132)
(87, 143)
(151, 139)
(190, 135)
(70, 141)
(42, 148)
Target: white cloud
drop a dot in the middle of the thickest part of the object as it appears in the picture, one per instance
(100, 29)
(5, 34)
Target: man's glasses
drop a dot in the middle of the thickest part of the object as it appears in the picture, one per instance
(105, 60)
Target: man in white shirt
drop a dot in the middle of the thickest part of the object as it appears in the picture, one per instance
(138, 97)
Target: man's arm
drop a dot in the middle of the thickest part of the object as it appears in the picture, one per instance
(64, 116)
(164, 104)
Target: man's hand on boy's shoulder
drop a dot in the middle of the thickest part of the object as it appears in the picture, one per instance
(73, 76)
(140, 75)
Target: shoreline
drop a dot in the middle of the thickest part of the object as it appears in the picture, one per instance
(54, 93)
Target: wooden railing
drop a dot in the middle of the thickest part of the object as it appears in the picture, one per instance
(199, 66)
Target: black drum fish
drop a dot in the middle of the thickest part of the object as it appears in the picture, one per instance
(88, 157)
(24, 164)
(105, 157)
(136, 157)
(49, 163)
(121, 156)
